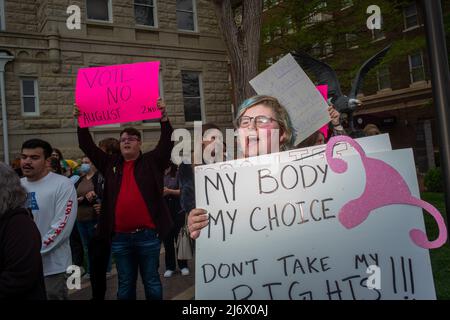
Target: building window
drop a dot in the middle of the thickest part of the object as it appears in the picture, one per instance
(290, 25)
(410, 14)
(186, 15)
(318, 14)
(416, 67)
(192, 96)
(328, 48)
(99, 10)
(161, 95)
(383, 78)
(30, 98)
(2, 15)
(145, 12)
(351, 40)
(377, 34)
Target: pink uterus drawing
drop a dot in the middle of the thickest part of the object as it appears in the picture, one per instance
(384, 186)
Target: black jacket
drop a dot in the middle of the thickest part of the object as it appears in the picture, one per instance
(148, 172)
(21, 272)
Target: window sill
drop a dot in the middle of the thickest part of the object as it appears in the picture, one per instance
(417, 84)
(346, 7)
(379, 39)
(188, 33)
(99, 23)
(147, 28)
(385, 90)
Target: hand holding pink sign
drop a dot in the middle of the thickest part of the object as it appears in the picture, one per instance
(116, 94)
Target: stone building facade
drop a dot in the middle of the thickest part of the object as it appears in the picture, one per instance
(41, 57)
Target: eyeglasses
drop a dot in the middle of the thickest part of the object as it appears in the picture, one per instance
(260, 121)
(130, 139)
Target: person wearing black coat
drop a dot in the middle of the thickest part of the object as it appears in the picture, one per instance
(21, 271)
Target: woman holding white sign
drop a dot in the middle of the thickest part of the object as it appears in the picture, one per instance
(263, 126)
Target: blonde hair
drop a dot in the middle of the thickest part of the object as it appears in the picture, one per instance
(281, 116)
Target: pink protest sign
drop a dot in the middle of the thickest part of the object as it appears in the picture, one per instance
(323, 89)
(119, 93)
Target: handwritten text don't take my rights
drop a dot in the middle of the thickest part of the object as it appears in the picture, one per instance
(221, 187)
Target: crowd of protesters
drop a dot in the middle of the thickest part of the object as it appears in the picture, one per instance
(116, 201)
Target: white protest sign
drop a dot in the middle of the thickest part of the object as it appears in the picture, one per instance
(277, 235)
(286, 81)
(370, 144)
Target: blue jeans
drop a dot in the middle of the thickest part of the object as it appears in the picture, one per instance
(133, 250)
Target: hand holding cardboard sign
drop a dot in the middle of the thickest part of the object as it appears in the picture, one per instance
(162, 107)
(197, 220)
(76, 111)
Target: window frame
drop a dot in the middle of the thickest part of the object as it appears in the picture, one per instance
(2, 16)
(406, 28)
(411, 67)
(379, 75)
(202, 98)
(110, 14)
(36, 112)
(155, 14)
(194, 15)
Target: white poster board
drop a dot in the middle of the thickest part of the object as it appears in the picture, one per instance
(287, 243)
(286, 81)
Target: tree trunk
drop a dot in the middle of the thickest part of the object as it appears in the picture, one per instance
(242, 43)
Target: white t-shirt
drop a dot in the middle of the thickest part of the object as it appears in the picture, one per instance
(53, 201)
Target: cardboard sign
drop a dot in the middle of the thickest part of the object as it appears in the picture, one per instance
(286, 81)
(116, 94)
(279, 235)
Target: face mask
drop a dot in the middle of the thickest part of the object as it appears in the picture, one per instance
(85, 167)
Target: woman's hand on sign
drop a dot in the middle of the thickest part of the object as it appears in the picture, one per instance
(162, 107)
(197, 220)
(334, 115)
(76, 111)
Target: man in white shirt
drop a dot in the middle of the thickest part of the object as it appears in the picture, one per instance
(52, 199)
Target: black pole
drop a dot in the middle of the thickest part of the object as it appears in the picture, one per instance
(440, 78)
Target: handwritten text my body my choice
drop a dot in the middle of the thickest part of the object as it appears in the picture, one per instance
(289, 214)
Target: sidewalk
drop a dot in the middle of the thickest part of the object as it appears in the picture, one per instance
(177, 287)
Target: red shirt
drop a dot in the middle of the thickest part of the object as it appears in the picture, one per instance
(131, 211)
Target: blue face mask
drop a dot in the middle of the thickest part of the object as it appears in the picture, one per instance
(85, 168)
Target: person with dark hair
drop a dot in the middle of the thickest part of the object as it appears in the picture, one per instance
(110, 145)
(134, 216)
(53, 202)
(172, 198)
(21, 275)
(55, 166)
(16, 166)
(88, 192)
(66, 169)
